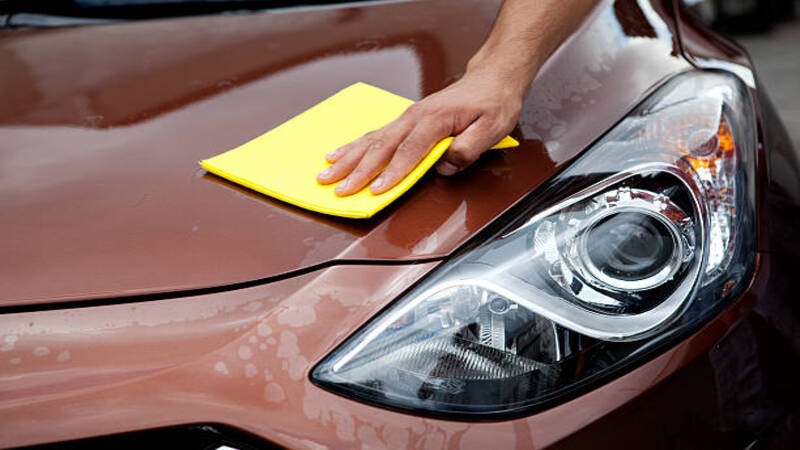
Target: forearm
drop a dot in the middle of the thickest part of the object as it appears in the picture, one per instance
(524, 35)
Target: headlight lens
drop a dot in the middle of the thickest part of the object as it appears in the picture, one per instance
(633, 249)
(648, 235)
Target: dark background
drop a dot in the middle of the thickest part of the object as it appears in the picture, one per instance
(770, 32)
(777, 58)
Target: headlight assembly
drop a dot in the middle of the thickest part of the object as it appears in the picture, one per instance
(642, 239)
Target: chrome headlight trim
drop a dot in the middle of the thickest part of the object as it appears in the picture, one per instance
(443, 350)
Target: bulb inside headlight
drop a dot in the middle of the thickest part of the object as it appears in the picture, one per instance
(632, 250)
(613, 249)
(651, 233)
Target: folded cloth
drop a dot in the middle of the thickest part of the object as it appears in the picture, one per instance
(284, 162)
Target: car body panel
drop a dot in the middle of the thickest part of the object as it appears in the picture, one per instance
(102, 370)
(100, 183)
(241, 355)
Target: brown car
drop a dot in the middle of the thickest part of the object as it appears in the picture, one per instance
(622, 279)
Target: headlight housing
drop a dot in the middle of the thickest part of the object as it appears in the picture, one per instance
(641, 240)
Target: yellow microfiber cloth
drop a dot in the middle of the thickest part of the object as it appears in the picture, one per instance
(284, 162)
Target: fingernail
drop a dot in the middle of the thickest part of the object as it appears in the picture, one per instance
(342, 187)
(446, 168)
(325, 173)
(333, 154)
(378, 184)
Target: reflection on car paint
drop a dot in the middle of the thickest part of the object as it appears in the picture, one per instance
(573, 87)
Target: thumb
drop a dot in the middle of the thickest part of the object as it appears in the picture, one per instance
(468, 146)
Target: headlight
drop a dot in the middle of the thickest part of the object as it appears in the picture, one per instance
(638, 242)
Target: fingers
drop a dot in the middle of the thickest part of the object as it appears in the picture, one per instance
(476, 109)
(359, 162)
(468, 146)
(394, 151)
(337, 154)
(344, 159)
(409, 153)
(376, 155)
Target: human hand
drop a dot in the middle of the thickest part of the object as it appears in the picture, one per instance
(479, 110)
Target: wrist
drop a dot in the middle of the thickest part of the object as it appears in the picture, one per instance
(514, 73)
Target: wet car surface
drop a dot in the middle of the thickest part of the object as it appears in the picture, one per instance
(139, 292)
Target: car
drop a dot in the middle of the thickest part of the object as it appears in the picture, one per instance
(623, 278)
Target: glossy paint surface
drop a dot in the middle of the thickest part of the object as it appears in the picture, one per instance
(242, 357)
(102, 128)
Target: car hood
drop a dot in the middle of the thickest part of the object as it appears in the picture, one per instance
(102, 128)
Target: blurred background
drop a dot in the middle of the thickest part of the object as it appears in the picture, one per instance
(770, 31)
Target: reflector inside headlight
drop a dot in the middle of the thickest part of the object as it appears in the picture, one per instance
(643, 238)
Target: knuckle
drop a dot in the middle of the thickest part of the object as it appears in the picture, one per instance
(360, 142)
(438, 111)
(491, 123)
(375, 143)
(510, 118)
(460, 156)
(345, 149)
(498, 129)
(357, 175)
(365, 170)
(350, 158)
(408, 147)
(423, 109)
(416, 109)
